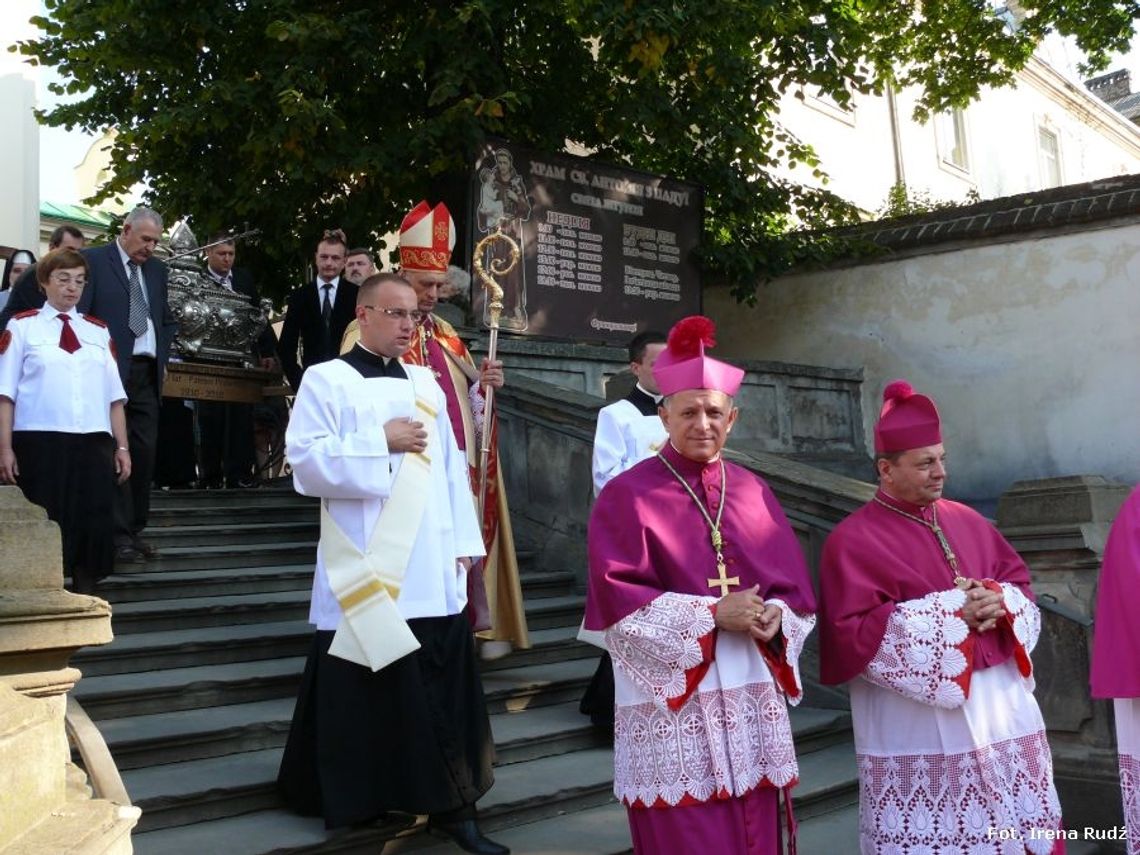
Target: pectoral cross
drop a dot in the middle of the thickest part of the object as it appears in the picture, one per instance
(723, 580)
(959, 580)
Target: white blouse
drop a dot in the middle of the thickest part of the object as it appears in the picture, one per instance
(54, 390)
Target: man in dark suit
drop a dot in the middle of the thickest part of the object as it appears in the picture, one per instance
(126, 289)
(26, 293)
(317, 313)
(226, 429)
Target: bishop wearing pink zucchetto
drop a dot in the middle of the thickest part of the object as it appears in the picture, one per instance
(703, 593)
(927, 615)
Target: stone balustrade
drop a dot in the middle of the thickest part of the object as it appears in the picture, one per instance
(46, 807)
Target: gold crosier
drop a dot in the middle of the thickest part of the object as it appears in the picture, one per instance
(499, 267)
(723, 580)
(960, 581)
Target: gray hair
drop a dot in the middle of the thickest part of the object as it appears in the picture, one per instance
(142, 212)
(459, 279)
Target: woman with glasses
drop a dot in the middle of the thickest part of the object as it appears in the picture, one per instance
(63, 434)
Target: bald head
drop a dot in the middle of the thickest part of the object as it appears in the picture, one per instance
(386, 314)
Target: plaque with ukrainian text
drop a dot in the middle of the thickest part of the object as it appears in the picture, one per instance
(606, 252)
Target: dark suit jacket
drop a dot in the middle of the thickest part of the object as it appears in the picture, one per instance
(266, 344)
(303, 324)
(107, 297)
(24, 295)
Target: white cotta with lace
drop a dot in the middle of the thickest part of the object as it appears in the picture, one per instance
(730, 736)
(940, 771)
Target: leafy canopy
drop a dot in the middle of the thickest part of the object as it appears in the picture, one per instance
(295, 115)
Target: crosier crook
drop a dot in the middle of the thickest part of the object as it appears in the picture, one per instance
(499, 267)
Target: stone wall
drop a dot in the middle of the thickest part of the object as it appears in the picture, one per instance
(1022, 339)
(811, 413)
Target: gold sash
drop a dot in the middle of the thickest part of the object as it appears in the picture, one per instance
(367, 583)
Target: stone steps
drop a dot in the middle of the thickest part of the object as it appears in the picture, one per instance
(132, 652)
(228, 556)
(196, 694)
(281, 495)
(175, 584)
(188, 532)
(148, 692)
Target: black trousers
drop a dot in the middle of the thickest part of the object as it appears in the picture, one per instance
(226, 432)
(411, 737)
(175, 463)
(132, 505)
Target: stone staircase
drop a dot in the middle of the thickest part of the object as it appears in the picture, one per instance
(195, 695)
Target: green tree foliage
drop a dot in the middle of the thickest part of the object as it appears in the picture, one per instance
(293, 115)
(901, 201)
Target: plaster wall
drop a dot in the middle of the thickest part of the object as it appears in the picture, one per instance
(1001, 127)
(1030, 348)
(19, 133)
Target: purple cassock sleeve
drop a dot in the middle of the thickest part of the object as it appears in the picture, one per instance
(647, 537)
(1116, 632)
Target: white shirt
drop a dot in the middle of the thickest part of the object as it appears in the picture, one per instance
(54, 390)
(146, 344)
(624, 437)
(335, 282)
(336, 445)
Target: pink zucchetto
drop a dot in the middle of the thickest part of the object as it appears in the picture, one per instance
(907, 420)
(683, 365)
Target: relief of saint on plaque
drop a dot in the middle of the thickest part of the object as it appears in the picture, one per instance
(503, 201)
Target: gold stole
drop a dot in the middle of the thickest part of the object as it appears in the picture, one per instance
(367, 583)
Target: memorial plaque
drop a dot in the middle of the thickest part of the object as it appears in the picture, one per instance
(606, 251)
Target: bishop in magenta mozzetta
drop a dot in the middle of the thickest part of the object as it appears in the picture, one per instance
(702, 590)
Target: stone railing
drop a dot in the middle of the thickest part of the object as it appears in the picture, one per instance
(807, 412)
(1059, 526)
(45, 804)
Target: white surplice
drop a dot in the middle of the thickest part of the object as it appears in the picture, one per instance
(337, 448)
(623, 437)
(729, 736)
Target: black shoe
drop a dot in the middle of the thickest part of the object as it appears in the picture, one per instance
(129, 555)
(145, 549)
(466, 835)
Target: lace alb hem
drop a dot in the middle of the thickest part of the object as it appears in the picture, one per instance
(719, 743)
(995, 799)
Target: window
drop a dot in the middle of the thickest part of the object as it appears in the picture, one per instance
(827, 105)
(951, 131)
(1049, 153)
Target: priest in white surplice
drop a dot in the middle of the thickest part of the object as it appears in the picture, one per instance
(927, 614)
(390, 715)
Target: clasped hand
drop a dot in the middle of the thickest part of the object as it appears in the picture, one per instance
(405, 435)
(746, 611)
(983, 608)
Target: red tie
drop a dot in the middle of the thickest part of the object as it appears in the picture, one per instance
(68, 340)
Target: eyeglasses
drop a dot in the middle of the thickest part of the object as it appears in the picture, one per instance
(414, 315)
(79, 280)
